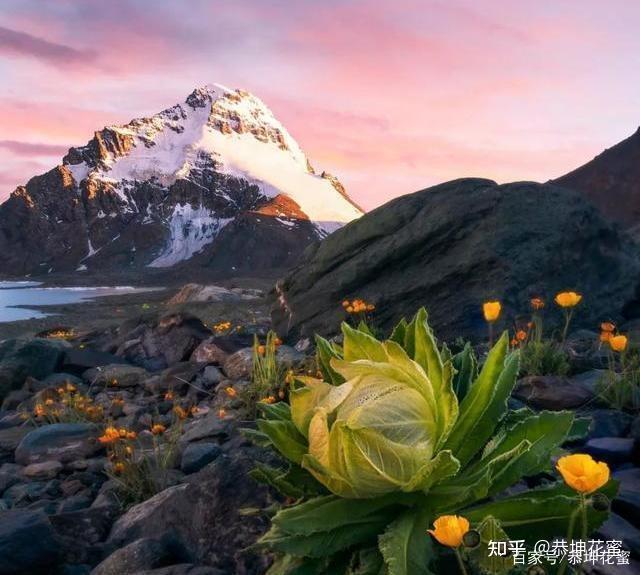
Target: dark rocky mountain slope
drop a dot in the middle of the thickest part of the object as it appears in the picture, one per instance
(612, 181)
(455, 245)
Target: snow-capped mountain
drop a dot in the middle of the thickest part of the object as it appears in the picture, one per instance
(215, 182)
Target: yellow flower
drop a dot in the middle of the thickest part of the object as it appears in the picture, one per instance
(268, 400)
(537, 303)
(582, 473)
(491, 310)
(449, 530)
(618, 342)
(230, 391)
(158, 429)
(568, 299)
(132, 435)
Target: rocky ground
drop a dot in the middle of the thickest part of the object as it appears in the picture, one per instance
(56, 487)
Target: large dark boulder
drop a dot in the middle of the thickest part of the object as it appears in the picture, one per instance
(28, 543)
(455, 245)
(20, 359)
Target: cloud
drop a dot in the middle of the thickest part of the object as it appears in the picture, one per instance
(32, 149)
(13, 42)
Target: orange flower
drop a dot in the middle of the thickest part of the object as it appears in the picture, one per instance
(618, 342)
(118, 467)
(110, 435)
(521, 335)
(537, 303)
(345, 304)
(180, 412)
(568, 299)
(39, 410)
(158, 429)
(607, 326)
(168, 396)
(582, 473)
(261, 350)
(230, 391)
(222, 413)
(449, 530)
(132, 435)
(605, 336)
(269, 400)
(48, 401)
(491, 310)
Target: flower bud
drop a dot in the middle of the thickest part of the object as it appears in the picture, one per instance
(600, 502)
(471, 539)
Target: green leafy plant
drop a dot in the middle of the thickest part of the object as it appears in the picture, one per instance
(395, 434)
(543, 357)
(267, 375)
(620, 386)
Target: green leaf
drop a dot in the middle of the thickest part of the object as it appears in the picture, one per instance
(405, 545)
(326, 543)
(544, 432)
(366, 562)
(485, 404)
(364, 328)
(289, 565)
(427, 356)
(490, 530)
(330, 512)
(294, 482)
(466, 367)
(325, 352)
(280, 411)
(579, 429)
(359, 345)
(399, 332)
(540, 513)
(285, 438)
(442, 466)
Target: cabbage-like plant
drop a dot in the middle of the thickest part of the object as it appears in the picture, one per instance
(396, 433)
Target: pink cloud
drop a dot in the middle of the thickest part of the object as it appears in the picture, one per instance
(32, 149)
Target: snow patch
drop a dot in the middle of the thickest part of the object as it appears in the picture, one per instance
(191, 230)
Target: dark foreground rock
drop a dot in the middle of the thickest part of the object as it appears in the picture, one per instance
(455, 245)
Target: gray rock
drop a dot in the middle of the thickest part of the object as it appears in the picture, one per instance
(613, 450)
(507, 241)
(239, 365)
(7, 480)
(635, 428)
(140, 555)
(551, 392)
(617, 528)
(64, 442)
(627, 502)
(209, 426)
(44, 470)
(289, 356)
(20, 359)
(211, 375)
(115, 376)
(608, 423)
(209, 352)
(27, 543)
(197, 455)
(214, 496)
(11, 437)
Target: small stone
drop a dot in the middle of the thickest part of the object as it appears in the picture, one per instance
(115, 376)
(44, 470)
(64, 442)
(211, 376)
(613, 450)
(552, 392)
(239, 364)
(608, 423)
(197, 455)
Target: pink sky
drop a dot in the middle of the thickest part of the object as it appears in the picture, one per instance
(391, 96)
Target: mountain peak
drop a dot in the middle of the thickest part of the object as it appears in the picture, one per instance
(192, 173)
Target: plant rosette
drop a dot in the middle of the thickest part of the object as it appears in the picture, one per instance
(396, 434)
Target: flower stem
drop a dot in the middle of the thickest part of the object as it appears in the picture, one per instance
(490, 334)
(572, 523)
(567, 321)
(463, 569)
(585, 522)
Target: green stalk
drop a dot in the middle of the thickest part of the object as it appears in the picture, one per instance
(572, 523)
(463, 569)
(567, 321)
(585, 522)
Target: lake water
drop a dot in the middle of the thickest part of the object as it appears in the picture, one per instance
(30, 293)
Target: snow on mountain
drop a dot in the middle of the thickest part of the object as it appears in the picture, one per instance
(240, 134)
(215, 182)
